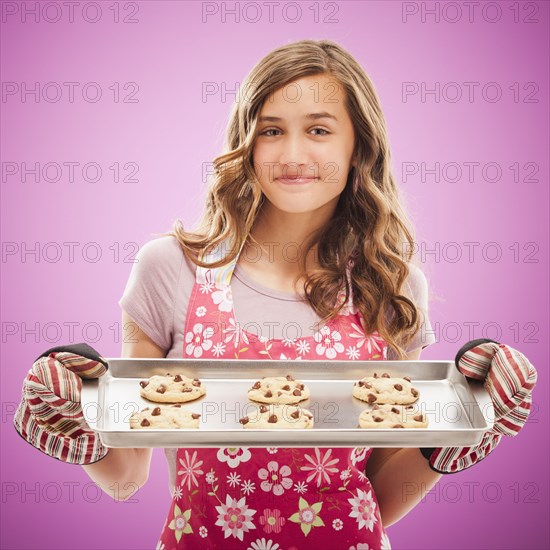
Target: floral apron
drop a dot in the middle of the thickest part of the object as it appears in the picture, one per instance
(271, 498)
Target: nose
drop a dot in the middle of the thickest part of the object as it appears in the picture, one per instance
(294, 156)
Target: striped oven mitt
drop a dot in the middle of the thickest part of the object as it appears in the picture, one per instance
(49, 416)
(509, 378)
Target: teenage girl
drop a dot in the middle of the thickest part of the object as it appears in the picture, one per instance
(304, 252)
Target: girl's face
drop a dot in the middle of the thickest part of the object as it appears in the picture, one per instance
(304, 145)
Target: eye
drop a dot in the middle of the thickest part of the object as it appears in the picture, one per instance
(265, 132)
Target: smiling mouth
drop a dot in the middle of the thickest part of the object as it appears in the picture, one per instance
(298, 180)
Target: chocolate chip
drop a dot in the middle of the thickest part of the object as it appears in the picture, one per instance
(178, 406)
(418, 418)
(295, 414)
(279, 393)
(194, 416)
(296, 392)
(375, 375)
(145, 422)
(286, 388)
(385, 375)
(414, 392)
(178, 378)
(257, 385)
(398, 387)
(161, 389)
(398, 426)
(196, 382)
(406, 378)
(375, 407)
(144, 384)
(301, 386)
(272, 419)
(377, 419)
(263, 409)
(289, 378)
(156, 411)
(244, 420)
(167, 374)
(410, 407)
(361, 383)
(186, 390)
(371, 398)
(394, 410)
(268, 394)
(367, 385)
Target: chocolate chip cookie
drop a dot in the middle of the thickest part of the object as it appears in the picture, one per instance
(278, 389)
(392, 416)
(164, 417)
(278, 416)
(171, 389)
(385, 389)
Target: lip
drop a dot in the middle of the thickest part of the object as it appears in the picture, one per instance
(295, 181)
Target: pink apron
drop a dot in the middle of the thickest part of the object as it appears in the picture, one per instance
(271, 498)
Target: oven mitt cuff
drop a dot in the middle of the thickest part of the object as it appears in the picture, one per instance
(509, 378)
(49, 416)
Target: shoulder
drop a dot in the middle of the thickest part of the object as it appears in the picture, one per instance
(161, 254)
(416, 278)
(160, 261)
(165, 248)
(416, 285)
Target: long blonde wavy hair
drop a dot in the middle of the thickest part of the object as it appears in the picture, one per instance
(369, 224)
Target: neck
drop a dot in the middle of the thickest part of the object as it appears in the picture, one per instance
(277, 240)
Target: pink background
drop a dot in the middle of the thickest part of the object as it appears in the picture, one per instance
(171, 131)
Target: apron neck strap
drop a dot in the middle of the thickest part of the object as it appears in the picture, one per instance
(219, 275)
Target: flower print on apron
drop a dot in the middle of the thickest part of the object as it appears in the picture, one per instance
(271, 498)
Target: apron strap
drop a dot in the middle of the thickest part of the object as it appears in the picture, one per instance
(217, 275)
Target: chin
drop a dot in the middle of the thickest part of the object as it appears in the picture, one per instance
(294, 207)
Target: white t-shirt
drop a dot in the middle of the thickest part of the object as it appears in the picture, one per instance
(159, 288)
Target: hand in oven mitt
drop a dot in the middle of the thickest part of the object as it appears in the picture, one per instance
(509, 378)
(49, 416)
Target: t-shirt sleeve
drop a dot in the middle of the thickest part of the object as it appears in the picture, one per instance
(149, 296)
(417, 291)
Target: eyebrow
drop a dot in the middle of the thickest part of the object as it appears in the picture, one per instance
(309, 116)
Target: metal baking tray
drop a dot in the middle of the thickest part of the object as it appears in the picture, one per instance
(458, 409)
